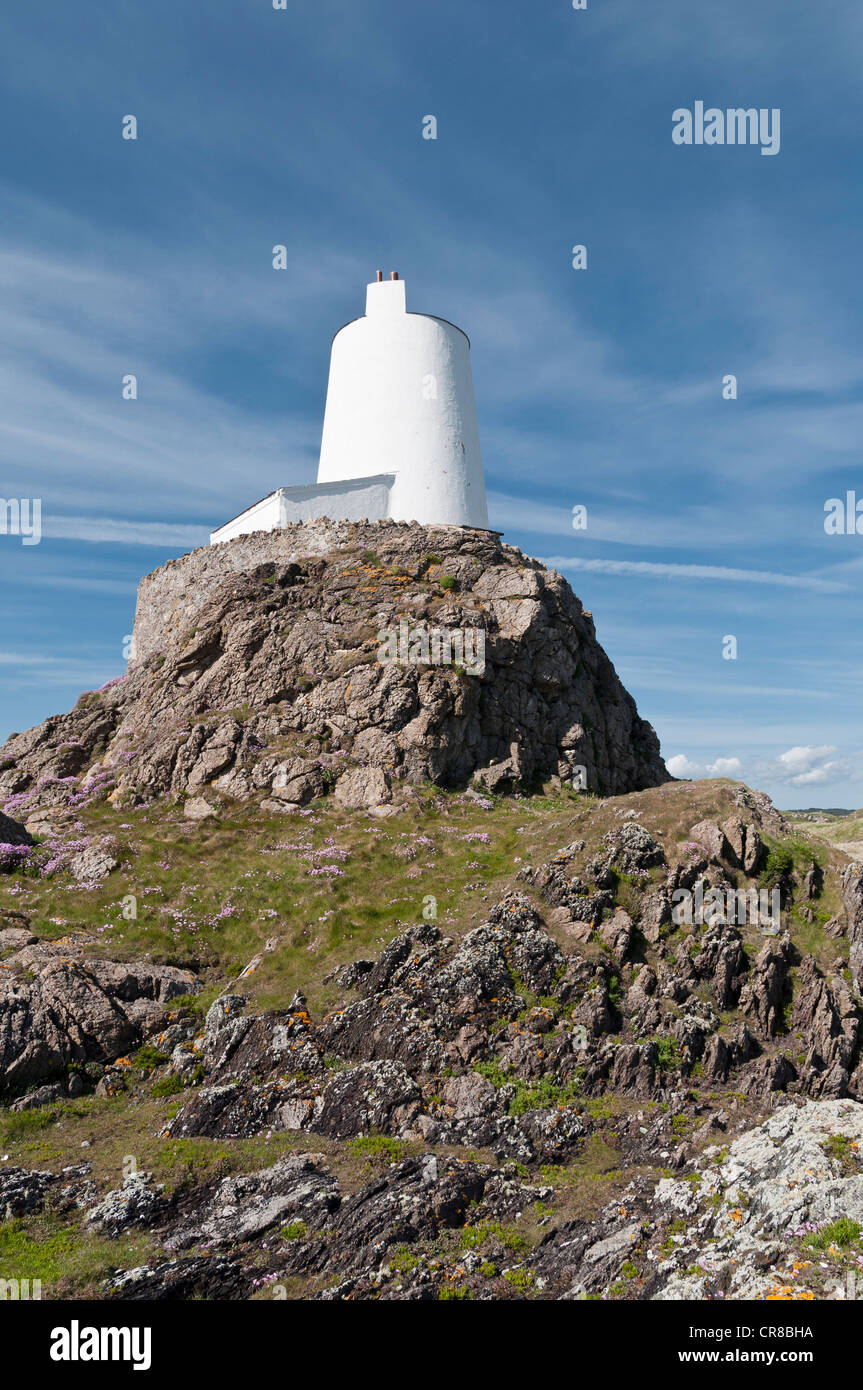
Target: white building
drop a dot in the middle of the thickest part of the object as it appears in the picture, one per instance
(400, 435)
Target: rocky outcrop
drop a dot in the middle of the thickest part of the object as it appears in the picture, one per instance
(436, 1124)
(58, 1008)
(748, 1223)
(775, 1213)
(496, 1040)
(298, 1188)
(273, 679)
(12, 833)
(137, 1203)
(24, 1192)
(852, 898)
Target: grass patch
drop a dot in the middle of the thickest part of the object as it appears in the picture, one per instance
(63, 1257)
(841, 1233)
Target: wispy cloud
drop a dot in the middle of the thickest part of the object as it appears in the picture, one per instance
(715, 573)
(113, 531)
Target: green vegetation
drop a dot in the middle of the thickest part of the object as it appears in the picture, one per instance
(841, 1233)
(147, 1058)
(167, 1086)
(62, 1256)
(845, 1150)
(404, 1261)
(542, 1095)
(377, 1148)
(259, 885)
(539, 1095)
(668, 1053)
(510, 1237)
(778, 866)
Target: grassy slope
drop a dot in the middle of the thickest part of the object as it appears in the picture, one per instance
(212, 895)
(841, 832)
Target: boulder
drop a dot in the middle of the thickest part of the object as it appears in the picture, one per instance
(12, 832)
(708, 834)
(92, 864)
(136, 1203)
(362, 787)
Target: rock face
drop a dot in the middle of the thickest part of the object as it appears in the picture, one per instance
(746, 1224)
(298, 1188)
(852, 898)
(57, 1009)
(11, 833)
(136, 1203)
(270, 667)
(495, 1040)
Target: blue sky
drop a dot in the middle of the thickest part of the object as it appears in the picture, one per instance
(600, 387)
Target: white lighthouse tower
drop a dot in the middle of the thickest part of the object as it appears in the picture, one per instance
(400, 438)
(400, 400)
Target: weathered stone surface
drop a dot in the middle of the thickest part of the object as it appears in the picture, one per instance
(739, 1231)
(136, 1203)
(14, 938)
(22, 1191)
(75, 1010)
(297, 1188)
(852, 899)
(376, 1097)
(707, 834)
(284, 625)
(417, 1198)
(616, 933)
(765, 991)
(200, 1276)
(734, 832)
(363, 786)
(234, 1111)
(92, 864)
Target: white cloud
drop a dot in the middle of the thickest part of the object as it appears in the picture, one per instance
(681, 766)
(800, 766)
(808, 765)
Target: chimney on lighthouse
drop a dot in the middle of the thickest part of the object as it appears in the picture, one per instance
(400, 400)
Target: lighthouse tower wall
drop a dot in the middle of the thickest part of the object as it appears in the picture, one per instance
(400, 400)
